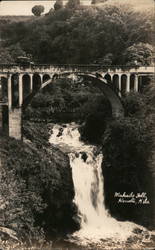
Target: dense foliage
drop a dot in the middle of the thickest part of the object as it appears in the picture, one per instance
(73, 4)
(36, 188)
(128, 166)
(109, 35)
(126, 146)
(58, 5)
(67, 100)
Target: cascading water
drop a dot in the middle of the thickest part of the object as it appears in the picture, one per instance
(85, 160)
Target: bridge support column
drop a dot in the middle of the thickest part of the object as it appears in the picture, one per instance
(119, 84)
(15, 123)
(111, 75)
(31, 83)
(41, 78)
(136, 83)
(20, 90)
(9, 93)
(128, 83)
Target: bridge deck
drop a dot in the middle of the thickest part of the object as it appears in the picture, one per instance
(50, 68)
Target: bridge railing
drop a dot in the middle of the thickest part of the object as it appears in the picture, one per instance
(73, 67)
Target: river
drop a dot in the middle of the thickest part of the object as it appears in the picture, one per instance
(98, 230)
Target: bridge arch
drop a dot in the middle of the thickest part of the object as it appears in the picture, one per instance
(46, 77)
(108, 78)
(114, 99)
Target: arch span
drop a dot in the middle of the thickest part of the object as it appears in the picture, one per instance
(114, 99)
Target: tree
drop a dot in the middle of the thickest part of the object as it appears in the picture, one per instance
(37, 10)
(5, 56)
(58, 5)
(139, 54)
(106, 60)
(9, 54)
(73, 4)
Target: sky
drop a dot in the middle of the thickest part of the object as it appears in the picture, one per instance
(23, 8)
(17, 7)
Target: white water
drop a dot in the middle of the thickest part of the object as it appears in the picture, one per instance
(96, 222)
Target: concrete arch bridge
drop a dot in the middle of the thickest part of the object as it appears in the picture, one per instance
(19, 84)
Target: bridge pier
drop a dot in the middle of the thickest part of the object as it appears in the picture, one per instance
(15, 123)
(119, 84)
(31, 82)
(128, 83)
(136, 83)
(9, 92)
(20, 89)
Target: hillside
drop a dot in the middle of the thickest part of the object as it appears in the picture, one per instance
(140, 5)
(10, 19)
(81, 36)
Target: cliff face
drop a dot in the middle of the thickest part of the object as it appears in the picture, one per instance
(36, 186)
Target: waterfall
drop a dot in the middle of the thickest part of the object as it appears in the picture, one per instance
(85, 161)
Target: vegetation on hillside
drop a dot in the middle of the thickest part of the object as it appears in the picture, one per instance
(36, 188)
(67, 100)
(58, 5)
(127, 146)
(128, 149)
(109, 35)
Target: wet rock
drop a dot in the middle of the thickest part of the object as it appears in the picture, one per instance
(60, 132)
(137, 231)
(84, 156)
(77, 154)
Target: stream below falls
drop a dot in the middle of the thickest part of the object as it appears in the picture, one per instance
(98, 230)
